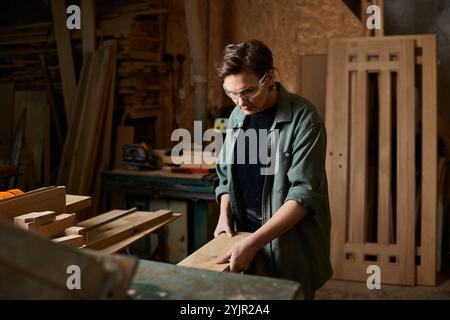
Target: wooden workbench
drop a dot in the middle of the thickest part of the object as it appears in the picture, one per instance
(162, 281)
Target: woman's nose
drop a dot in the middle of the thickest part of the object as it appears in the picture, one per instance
(240, 101)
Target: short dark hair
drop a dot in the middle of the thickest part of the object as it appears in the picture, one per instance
(253, 56)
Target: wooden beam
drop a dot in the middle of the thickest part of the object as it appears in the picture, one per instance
(104, 218)
(57, 226)
(49, 198)
(36, 217)
(65, 59)
(88, 37)
(206, 256)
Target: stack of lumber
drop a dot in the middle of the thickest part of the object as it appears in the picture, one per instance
(114, 230)
(52, 200)
(50, 213)
(91, 126)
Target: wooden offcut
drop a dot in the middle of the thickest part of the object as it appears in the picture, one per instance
(76, 203)
(206, 256)
(73, 241)
(52, 228)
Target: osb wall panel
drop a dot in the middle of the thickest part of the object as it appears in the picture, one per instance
(288, 27)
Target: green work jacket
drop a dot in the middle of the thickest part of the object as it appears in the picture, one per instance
(302, 253)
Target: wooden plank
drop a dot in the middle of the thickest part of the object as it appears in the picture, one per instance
(65, 59)
(57, 226)
(104, 218)
(337, 124)
(311, 82)
(105, 156)
(88, 37)
(359, 160)
(73, 241)
(75, 203)
(139, 235)
(206, 256)
(406, 181)
(385, 159)
(37, 217)
(125, 228)
(53, 199)
(426, 274)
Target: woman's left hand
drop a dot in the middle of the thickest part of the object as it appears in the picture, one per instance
(240, 256)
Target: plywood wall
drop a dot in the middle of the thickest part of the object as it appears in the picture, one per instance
(288, 27)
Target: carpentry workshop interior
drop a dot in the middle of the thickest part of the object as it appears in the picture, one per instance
(111, 184)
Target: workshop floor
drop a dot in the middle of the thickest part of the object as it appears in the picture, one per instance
(352, 290)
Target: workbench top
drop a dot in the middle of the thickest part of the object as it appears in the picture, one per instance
(163, 281)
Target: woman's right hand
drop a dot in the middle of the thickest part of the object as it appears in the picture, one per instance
(224, 224)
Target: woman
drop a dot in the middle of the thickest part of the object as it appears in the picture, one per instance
(286, 209)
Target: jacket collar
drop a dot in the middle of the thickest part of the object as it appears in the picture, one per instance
(284, 109)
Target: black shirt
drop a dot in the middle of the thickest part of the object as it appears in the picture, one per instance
(250, 181)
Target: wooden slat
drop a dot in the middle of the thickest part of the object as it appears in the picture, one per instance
(385, 159)
(206, 256)
(52, 199)
(427, 270)
(337, 124)
(124, 228)
(37, 217)
(406, 182)
(359, 160)
(57, 226)
(65, 58)
(105, 218)
(75, 203)
(73, 241)
(140, 234)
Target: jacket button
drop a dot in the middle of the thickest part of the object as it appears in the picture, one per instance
(240, 124)
(287, 154)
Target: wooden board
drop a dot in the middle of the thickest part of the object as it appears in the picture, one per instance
(312, 77)
(49, 198)
(53, 228)
(75, 203)
(73, 241)
(206, 256)
(104, 218)
(37, 217)
(140, 234)
(121, 229)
